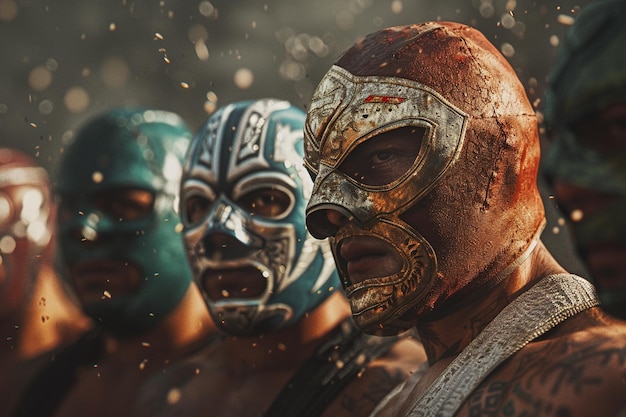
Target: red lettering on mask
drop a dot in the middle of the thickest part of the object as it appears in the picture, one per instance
(384, 99)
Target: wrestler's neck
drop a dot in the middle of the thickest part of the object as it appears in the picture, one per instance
(183, 332)
(288, 347)
(447, 335)
(47, 320)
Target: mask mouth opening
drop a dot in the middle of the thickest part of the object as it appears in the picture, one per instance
(100, 279)
(241, 283)
(364, 258)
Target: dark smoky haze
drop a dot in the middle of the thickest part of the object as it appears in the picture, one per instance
(62, 61)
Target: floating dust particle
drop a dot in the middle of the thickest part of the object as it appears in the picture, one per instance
(360, 360)
(565, 19)
(97, 177)
(184, 85)
(173, 396)
(554, 41)
(143, 364)
(158, 36)
(576, 215)
(107, 294)
(282, 347)
(145, 344)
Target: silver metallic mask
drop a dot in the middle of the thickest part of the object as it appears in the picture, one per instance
(350, 110)
(244, 148)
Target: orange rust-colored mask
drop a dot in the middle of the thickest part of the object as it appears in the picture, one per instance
(466, 210)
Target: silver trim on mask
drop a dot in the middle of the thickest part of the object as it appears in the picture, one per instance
(348, 110)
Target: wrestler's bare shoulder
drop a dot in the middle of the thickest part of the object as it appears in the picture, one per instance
(577, 369)
(207, 386)
(404, 358)
(174, 390)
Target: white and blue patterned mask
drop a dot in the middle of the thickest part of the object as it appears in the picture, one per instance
(246, 155)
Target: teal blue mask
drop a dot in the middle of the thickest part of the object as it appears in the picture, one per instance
(589, 70)
(126, 149)
(243, 197)
(589, 75)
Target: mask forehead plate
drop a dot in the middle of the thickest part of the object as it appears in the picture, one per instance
(348, 109)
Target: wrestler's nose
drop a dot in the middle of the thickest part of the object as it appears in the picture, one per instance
(324, 220)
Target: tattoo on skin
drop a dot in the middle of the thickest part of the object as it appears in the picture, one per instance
(492, 400)
(433, 345)
(436, 349)
(539, 381)
(382, 382)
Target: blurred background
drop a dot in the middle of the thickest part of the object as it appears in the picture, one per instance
(62, 61)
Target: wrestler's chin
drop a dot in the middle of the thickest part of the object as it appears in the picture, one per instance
(378, 325)
(376, 311)
(393, 308)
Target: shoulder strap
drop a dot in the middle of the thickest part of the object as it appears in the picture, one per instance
(320, 379)
(46, 391)
(539, 309)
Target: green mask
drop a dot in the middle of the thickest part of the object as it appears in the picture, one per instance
(126, 149)
(588, 76)
(589, 70)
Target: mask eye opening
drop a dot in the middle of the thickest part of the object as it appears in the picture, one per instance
(385, 159)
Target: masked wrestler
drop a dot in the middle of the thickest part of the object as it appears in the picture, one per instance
(36, 314)
(122, 252)
(293, 349)
(586, 113)
(424, 148)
